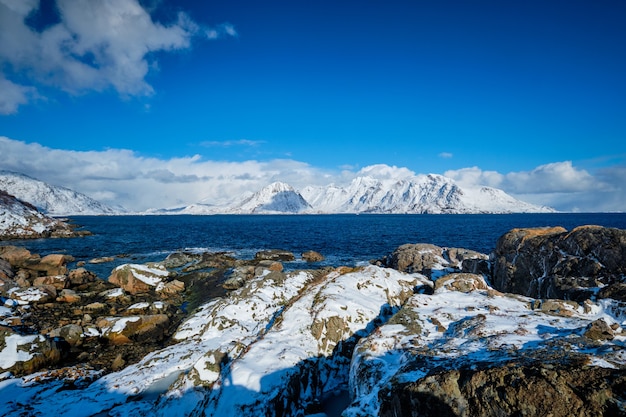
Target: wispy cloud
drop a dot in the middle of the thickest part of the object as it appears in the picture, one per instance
(445, 155)
(231, 143)
(94, 46)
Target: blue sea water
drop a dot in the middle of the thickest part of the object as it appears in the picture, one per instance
(342, 239)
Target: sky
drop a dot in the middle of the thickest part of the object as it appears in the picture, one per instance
(161, 103)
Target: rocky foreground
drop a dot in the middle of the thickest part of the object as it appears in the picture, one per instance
(536, 328)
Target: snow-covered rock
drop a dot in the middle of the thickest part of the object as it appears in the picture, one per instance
(465, 332)
(19, 220)
(50, 199)
(284, 342)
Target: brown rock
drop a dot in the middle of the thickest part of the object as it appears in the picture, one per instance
(172, 287)
(312, 256)
(68, 296)
(599, 330)
(122, 330)
(81, 276)
(36, 295)
(461, 282)
(6, 272)
(137, 279)
(17, 256)
(57, 281)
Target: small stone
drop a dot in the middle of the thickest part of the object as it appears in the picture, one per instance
(118, 363)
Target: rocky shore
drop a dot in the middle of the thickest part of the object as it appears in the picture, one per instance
(535, 328)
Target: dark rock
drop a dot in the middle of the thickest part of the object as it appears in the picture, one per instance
(533, 389)
(554, 263)
(238, 277)
(274, 255)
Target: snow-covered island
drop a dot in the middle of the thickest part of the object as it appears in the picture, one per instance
(536, 328)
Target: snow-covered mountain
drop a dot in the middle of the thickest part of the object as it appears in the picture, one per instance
(411, 194)
(419, 194)
(277, 197)
(50, 199)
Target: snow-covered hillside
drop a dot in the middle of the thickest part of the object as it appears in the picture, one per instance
(20, 220)
(50, 199)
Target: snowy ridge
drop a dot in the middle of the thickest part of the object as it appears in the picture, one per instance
(420, 194)
(50, 199)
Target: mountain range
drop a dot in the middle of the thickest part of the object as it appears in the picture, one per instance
(413, 194)
(420, 194)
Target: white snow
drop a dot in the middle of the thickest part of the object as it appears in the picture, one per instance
(13, 350)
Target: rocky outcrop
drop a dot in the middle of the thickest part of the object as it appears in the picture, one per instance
(20, 220)
(433, 261)
(554, 263)
(526, 388)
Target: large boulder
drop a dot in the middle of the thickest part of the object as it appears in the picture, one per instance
(433, 261)
(25, 354)
(528, 389)
(555, 263)
(137, 279)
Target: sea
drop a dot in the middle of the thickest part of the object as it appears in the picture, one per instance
(343, 239)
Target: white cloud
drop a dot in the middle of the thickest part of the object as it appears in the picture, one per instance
(560, 185)
(474, 176)
(383, 171)
(231, 143)
(446, 155)
(122, 177)
(13, 95)
(96, 45)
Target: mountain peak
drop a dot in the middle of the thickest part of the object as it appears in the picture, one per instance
(278, 197)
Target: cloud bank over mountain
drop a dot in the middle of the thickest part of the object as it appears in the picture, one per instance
(122, 177)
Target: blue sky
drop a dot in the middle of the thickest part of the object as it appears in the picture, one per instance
(513, 94)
